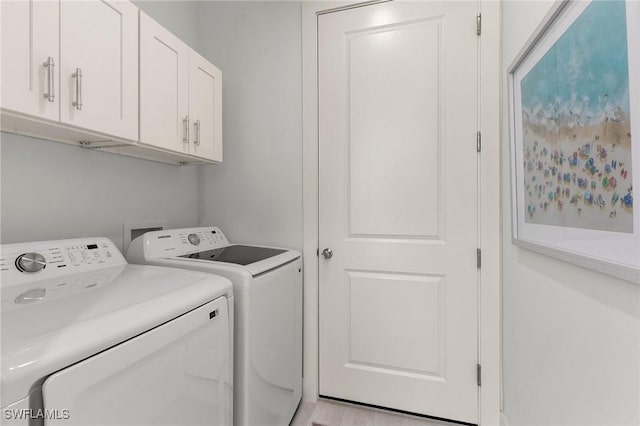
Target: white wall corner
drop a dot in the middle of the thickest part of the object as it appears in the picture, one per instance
(490, 221)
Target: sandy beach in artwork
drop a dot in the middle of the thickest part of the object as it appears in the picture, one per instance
(579, 176)
(577, 144)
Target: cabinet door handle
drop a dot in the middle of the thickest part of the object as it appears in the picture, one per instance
(196, 127)
(50, 95)
(78, 76)
(185, 124)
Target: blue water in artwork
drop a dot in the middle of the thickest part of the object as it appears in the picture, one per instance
(587, 66)
(576, 131)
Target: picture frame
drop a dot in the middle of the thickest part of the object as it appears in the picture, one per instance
(574, 118)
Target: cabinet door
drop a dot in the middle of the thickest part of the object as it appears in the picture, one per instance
(205, 108)
(29, 40)
(164, 87)
(99, 72)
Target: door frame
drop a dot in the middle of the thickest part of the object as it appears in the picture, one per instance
(489, 294)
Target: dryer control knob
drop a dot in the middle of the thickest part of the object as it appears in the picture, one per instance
(193, 239)
(31, 262)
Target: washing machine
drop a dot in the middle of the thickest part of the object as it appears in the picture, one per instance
(267, 286)
(89, 340)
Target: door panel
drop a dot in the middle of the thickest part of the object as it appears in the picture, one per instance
(164, 88)
(101, 39)
(385, 133)
(388, 342)
(30, 35)
(398, 206)
(205, 108)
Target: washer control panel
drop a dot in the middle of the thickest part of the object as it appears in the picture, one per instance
(176, 242)
(28, 262)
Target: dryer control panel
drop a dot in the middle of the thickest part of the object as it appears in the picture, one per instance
(177, 242)
(28, 262)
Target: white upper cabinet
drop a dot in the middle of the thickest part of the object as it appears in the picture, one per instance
(180, 96)
(205, 108)
(30, 57)
(164, 87)
(99, 72)
(102, 74)
(99, 69)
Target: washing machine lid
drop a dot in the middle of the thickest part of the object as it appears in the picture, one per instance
(51, 322)
(196, 247)
(237, 254)
(254, 260)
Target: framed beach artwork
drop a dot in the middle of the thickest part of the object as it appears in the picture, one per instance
(575, 137)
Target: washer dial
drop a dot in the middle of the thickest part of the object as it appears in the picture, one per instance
(31, 262)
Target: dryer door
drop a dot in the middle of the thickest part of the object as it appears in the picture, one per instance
(176, 373)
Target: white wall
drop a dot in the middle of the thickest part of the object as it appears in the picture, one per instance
(53, 191)
(256, 194)
(571, 343)
(50, 190)
(179, 16)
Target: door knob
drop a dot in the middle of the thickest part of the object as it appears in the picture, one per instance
(327, 253)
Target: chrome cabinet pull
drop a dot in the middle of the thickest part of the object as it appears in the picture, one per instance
(185, 123)
(78, 76)
(50, 95)
(196, 126)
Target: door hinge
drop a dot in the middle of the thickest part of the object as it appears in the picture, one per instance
(479, 375)
(479, 24)
(478, 258)
(318, 252)
(478, 141)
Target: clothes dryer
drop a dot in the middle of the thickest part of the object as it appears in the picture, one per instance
(88, 339)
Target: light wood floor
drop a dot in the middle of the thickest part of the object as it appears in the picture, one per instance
(330, 413)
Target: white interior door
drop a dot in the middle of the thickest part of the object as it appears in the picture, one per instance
(30, 59)
(399, 206)
(100, 39)
(164, 87)
(205, 108)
